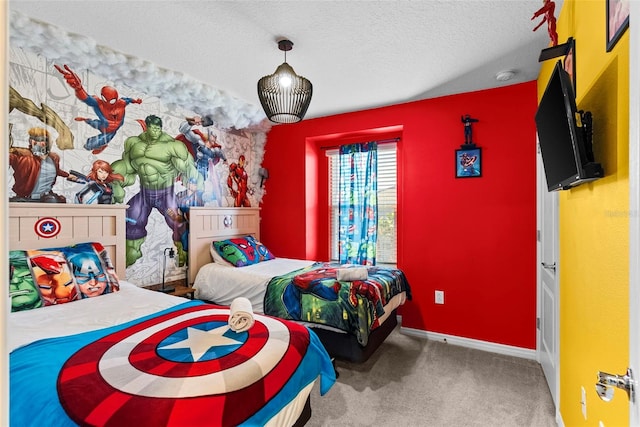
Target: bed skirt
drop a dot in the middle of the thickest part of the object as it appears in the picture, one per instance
(346, 347)
(305, 416)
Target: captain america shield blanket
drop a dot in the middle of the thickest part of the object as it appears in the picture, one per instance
(181, 367)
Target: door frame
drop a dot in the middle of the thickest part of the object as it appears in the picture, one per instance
(634, 208)
(552, 198)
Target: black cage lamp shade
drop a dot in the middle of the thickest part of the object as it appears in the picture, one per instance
(284, 95)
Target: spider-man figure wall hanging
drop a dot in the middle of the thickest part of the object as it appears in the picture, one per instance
(468, 156)
(547, 11)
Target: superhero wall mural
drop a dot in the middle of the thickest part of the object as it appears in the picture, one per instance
(76, 137)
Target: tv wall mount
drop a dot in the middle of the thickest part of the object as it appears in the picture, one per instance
(556, 51)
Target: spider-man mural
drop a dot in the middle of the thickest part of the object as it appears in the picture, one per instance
(109, 108)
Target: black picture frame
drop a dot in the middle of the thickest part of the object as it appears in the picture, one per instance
(617, 21)
(469, 162)
(569, 63)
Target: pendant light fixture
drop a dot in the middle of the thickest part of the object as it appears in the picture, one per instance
(284, 95)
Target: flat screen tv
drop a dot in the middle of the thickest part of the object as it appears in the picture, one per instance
(565, 135)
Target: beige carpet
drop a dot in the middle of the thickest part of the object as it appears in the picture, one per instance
(412, 381)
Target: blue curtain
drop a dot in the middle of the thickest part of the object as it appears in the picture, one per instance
(358, 203)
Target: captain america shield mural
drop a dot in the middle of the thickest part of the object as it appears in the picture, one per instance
(181, 368)
(47, 227)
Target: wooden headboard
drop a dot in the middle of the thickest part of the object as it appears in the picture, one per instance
(208, 224)
(77, 224)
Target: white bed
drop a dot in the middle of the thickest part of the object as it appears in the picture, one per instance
(213, 281)
(220, 284)
(113, 320)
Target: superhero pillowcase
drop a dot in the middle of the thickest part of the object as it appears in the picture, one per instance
(240, 251)
(92, 269)
(40, 278)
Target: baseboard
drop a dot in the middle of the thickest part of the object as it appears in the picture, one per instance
(507, 350)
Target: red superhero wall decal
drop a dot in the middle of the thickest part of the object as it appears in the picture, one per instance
(237, 181)
(36, 169)
(547, 11)
(109, 108)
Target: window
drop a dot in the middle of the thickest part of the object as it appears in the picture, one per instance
(386, 247)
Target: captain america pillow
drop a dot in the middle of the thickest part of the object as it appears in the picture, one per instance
(92, 269)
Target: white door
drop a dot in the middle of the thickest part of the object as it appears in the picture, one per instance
(634, 208)
(548, 304)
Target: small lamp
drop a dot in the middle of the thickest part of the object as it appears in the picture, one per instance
(172, 253)
(284, 95)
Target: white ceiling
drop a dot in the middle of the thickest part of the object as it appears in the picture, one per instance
(357, 54)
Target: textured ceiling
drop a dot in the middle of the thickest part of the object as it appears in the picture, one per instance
(357, 54)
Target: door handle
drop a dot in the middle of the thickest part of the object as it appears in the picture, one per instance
(607, 382)
(549, 266)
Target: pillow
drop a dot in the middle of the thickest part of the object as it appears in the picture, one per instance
(23, 292)
(40, 278)
(43, 277)
(351, 274)
(241, 251)
(92, 269)
(217, 258)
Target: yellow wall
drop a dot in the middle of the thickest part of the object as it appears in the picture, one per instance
(594, 225)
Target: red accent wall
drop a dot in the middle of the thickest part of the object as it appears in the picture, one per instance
(473, 238)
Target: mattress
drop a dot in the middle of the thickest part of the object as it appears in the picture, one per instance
(221, 284)
(88, 314)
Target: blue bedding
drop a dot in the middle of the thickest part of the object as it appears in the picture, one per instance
(181, 366)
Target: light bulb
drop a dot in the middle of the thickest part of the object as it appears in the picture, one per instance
(285, 80)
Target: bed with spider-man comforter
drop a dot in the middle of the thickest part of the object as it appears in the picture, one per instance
(355, 305)
(179, 364)
(351, 317)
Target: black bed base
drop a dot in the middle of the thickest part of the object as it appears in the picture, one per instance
(346, 347)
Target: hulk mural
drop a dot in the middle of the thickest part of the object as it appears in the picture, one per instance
(158, 160)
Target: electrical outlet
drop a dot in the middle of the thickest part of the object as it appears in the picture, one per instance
(583, 402)
(439, 297)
